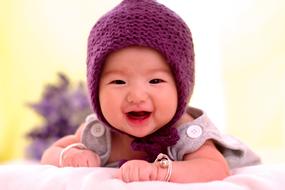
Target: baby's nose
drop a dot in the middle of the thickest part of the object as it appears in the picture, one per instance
(137, 96)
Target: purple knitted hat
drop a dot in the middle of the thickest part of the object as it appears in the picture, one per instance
(149, 24)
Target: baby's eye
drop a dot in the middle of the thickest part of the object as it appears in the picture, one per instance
(117, 82)
(156, 81)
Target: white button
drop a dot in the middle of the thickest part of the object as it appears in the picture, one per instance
(194, 131)
(97, 130)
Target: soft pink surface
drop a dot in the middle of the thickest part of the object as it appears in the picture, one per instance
(33, 176)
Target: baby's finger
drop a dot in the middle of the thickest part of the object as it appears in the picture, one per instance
(125, 173)
(153, 172)
(75, 162)
(66, 162)
(134, 174)
(96, 161)
(144, 174)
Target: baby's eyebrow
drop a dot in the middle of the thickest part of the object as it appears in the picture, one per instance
(106, 73)
(159, 70)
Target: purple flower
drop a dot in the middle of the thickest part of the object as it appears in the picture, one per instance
(63, 108)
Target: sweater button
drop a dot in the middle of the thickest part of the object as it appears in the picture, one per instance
(194, 131)
(97, 130)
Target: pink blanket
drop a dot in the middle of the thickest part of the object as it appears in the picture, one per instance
(34, 176)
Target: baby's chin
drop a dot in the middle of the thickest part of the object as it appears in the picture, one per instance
(141, 133)
(137, 129)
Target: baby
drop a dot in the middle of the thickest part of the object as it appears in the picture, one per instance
(140, 73)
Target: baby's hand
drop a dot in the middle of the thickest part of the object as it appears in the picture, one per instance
(75, 157)
(139, 170)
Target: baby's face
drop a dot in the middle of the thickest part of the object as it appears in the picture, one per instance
(137, 91)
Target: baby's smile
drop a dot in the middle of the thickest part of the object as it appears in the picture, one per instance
(138, 114)
(138, 117)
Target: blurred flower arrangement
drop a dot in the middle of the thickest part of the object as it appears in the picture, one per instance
(63, 109)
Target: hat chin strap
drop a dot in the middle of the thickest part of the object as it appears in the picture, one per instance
(156, 142)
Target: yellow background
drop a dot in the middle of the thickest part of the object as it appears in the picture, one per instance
(39, 38)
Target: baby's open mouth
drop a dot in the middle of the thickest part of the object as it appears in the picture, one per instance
(138, 115)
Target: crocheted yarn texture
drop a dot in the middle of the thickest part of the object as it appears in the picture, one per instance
(150, 24)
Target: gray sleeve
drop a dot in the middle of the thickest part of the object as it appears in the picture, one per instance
(97, 137)
(194, 135)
